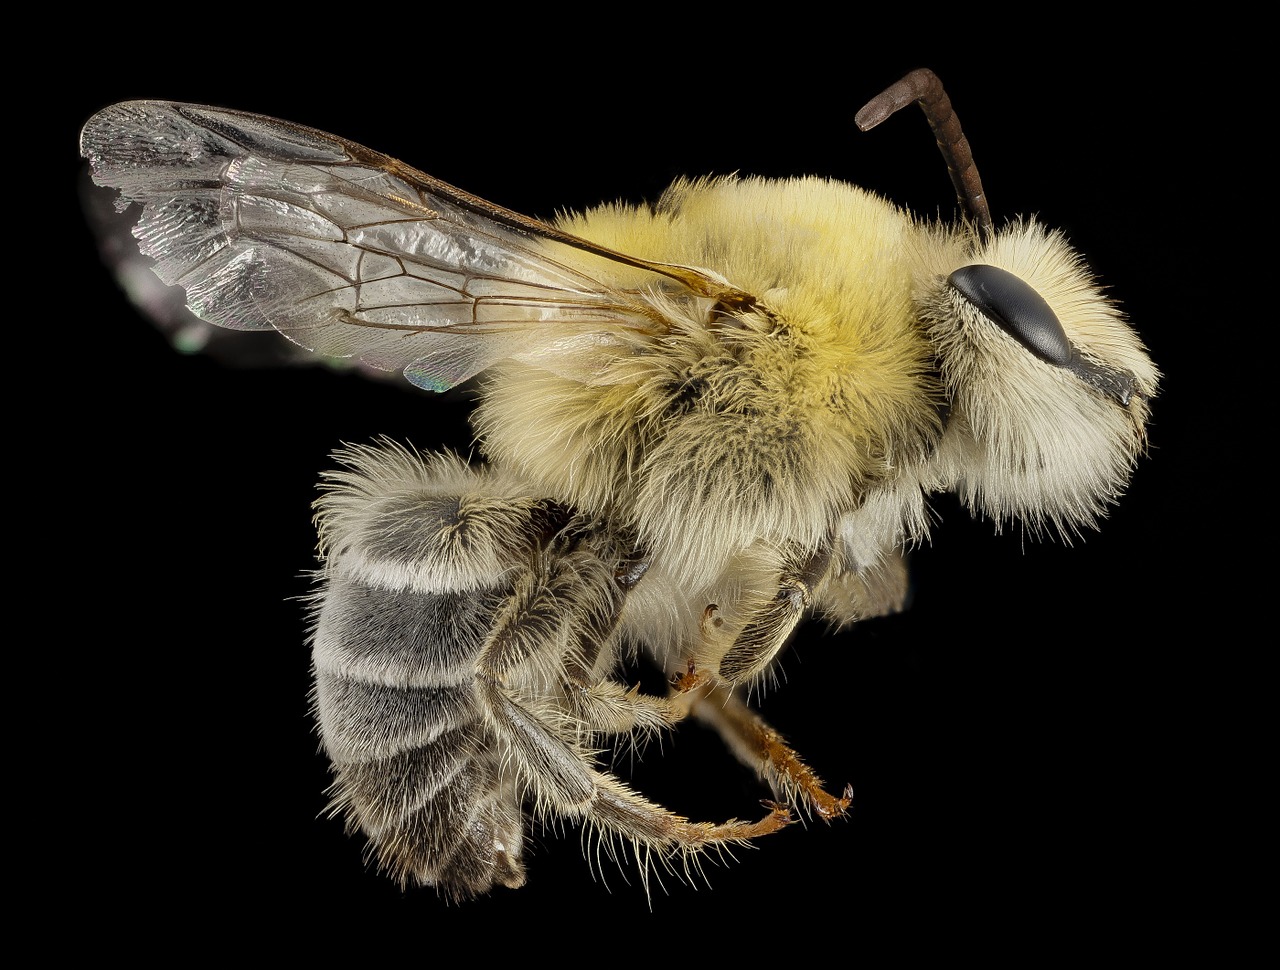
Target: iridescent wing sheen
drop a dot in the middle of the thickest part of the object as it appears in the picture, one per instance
(269, 225)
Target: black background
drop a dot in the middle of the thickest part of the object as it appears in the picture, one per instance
(1030, 746)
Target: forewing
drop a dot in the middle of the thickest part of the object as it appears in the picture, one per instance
(349, 253)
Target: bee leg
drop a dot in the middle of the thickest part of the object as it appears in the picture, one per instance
(564, 785)
(548, 737)
(601, 705)
(691, 679)
(763, 636)
(761, 748)
(607, 707)
(595, 631)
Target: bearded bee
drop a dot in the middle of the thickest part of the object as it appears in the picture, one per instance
(701, 421)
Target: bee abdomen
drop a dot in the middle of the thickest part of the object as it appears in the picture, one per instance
(414, 767)
(426, 558)
(442, 814)
(399, 637)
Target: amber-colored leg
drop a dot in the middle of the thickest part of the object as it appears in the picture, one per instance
(758, 746)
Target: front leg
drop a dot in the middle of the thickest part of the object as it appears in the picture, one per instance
(768, 629)
(705, 688)
(762, 749)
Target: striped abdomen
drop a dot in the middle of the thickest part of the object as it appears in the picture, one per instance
(420, 555)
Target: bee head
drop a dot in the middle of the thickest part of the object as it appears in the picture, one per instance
(1048, 386)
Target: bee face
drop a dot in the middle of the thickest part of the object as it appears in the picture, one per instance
(1047, 384)
(700, 422)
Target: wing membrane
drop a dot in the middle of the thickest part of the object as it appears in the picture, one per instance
(348, 253)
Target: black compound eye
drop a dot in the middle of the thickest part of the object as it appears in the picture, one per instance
(1018, 309)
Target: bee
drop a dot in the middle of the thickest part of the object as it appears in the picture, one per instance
(700, 422)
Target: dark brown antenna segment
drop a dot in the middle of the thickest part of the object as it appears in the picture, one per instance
(923, 86)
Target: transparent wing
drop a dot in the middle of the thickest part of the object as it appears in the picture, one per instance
(272, 226)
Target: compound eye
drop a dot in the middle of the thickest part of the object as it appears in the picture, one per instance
(1018, 309)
